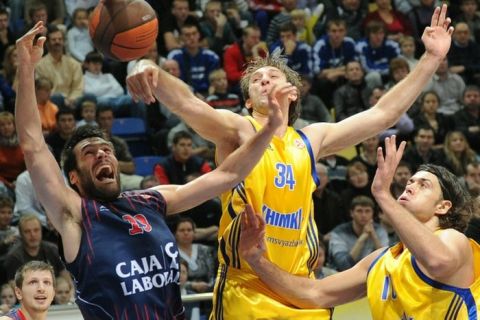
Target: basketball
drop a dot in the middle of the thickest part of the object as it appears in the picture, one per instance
(123, 30)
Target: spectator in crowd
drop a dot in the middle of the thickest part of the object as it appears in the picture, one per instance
(238, 18)
(305, 23)
(398, 69)
(298, 53)
(71, 5)
(200, 147)
(10, 64)
(331, 53)
(376, 51)
(263, 11)
(472, 178)
(241, 52)
(422, 151)
(7, 298)
(467, 119)
(195, 62)
(329, 211)
(174, 168)
(407, 51)
(200, 258)
(47, 109)
(8, 234)
(88, 112)
(449, 87)
(367, 154)
(34, 289)
(152, 55)
(358, 183)
(79, 42)
(215, 28)
(464, 55)
(321, 271)
(107, 90)
(65, 118)
(282, 17)
(400, 179)
(11, 155)
(313, 108)
(353, 12)
(396, 24)
(352, 241)
(7, 38)
(55, 10)
(337, 171)
(352, 97)
(63, 291)
(429, 117)
(26, 201)
(32, 247)
(469, 14)
(192, 310)
(456, 154)
(170, 25)
(420, 18)
(37, 12)
(220, 97)
(129, 180)
(62, 70)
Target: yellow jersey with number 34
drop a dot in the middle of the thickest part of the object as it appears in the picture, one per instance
(279, 188)
(398, 289)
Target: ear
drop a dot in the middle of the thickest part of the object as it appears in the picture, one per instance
(18, 293)
(248, 103)
(73, 177)
(443, 207)
(293, 96)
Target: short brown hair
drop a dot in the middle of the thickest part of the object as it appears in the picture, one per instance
(279, 62)
(33, 266)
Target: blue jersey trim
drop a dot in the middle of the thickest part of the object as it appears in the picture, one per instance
(312, 158)
(465, 293)
(376, 260)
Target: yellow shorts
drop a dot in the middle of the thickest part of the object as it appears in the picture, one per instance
(241, 295)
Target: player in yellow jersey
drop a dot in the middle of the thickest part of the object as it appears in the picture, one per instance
(281, 185)
(433, 273)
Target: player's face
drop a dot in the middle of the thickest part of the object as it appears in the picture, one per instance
(6, 214)
(37, 291)
(97, 175)
(422, 195)
(261, 83)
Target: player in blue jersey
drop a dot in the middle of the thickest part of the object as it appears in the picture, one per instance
(123, 258)
(35, 289)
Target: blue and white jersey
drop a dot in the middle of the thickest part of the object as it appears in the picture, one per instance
(301, 58)
(326, 57)
(195, 69)
(377, 59)
(127, 266)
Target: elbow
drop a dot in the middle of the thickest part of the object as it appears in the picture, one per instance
(438, 267)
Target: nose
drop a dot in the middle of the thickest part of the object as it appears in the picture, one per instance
(265, 81)
(101, 154)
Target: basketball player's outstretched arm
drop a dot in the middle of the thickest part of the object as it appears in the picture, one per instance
(328, 138)
(441, 256)
(233, 169)
(148, 81)
(59, 201)
(302, 292)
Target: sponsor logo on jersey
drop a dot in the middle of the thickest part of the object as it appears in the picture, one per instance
(290, 220)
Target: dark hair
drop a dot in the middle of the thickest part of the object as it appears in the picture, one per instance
(6, 202)
(404, 164)
(463, 206)
(69, 161)
(37, 6)
(33, 266)
(181, 135)
(94, 56)
(288, 27)
(374, 26)
(362, 201)
(337, 22)
(471, 87)
(280, 63)
(398, 63)
(63, 111)
(103, 109)
(423, 127)
(183, 219)
(248, 28)
(4, 11)
(54, 29)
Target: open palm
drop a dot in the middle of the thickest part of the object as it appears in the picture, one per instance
(438, 36)
(30, 51)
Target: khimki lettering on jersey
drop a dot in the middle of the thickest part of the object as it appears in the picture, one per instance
(291, 220)
(146, 273)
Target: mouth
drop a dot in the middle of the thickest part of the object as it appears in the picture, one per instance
(105, 174)
(41, 299)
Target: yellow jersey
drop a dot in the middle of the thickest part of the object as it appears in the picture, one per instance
(398, 289)
(279, 188)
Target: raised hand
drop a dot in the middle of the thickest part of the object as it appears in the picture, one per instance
(142, 80)
(29, 50)
(252, 237)
(279, 94)
(438, 36)
(387, 165)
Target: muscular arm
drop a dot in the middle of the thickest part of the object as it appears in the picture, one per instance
(330, 138)
(47, 179)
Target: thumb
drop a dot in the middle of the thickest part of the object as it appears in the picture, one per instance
(41, 41)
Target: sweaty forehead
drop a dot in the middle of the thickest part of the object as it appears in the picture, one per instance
(267, 69)
(91, 141)
(425, 175)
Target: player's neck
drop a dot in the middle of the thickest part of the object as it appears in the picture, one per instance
(263, 120)
(33, 315)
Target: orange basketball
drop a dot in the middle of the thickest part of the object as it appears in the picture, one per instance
(123, 30)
